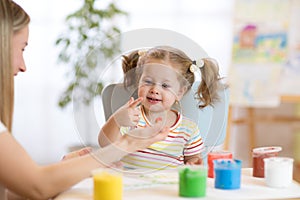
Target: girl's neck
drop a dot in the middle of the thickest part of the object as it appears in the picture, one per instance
(169, 117)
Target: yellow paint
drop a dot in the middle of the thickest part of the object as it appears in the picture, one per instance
(107, 186)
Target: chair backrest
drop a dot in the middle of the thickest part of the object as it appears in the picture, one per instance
(212, 121)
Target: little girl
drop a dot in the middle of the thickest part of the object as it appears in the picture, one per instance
(162, 75)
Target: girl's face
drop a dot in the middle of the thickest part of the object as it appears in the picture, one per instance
(19, 43)
(159, 86)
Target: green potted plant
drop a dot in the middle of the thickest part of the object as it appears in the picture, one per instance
(88, 40)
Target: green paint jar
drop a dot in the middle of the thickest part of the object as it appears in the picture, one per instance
(192, 181)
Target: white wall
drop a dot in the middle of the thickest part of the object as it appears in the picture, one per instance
(209, 23)
(40, 125)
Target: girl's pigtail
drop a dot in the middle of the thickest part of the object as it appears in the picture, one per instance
(207, 91)
(129, 63)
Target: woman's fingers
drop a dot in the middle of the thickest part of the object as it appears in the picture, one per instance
(77, 153)
(84, 151)
(156, 128)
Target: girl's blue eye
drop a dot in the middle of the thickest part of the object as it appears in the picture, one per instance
(148, 82)
(165, 85)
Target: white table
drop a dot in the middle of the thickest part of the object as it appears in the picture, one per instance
(164, 185)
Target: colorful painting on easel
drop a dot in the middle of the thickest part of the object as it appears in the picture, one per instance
(261, 31)
(250, 46)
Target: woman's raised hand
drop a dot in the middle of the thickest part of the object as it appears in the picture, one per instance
(141, 138)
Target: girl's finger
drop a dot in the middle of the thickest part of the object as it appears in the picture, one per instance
(130, 101)
(134, 103)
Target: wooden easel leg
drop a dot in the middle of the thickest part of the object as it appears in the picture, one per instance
(251, 131)
(228, 129)
(251, 128)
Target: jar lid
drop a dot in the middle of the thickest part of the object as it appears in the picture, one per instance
(227, 163)
(263, 150)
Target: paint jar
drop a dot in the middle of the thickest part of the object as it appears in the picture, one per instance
(108, 185)
(227, 174)
(278, 171)
(213, 156)
(192, 181)
(258, 155)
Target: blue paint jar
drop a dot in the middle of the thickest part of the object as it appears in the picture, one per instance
(227, 174)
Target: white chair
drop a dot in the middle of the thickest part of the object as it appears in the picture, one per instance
(212, 121)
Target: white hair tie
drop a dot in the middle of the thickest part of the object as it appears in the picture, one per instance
(196, 65)
(200, 63)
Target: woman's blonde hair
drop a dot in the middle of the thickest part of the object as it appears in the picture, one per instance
(12, 19)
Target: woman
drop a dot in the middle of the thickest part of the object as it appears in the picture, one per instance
(19, 173)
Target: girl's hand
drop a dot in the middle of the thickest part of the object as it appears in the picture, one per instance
(193, 160)
(128, 114)
(77, 153)
(116, 165)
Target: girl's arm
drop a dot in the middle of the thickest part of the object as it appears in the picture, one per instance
(194, 147)
(127, 115)
(110, 132)
(20, 174)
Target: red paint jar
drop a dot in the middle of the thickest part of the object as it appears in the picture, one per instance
(213, 156)
(258, 155)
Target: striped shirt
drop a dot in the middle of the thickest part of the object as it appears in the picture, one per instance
(184, 139)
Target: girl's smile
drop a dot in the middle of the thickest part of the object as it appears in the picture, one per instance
(153, 100)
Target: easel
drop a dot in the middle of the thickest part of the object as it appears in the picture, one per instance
(250, 120)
